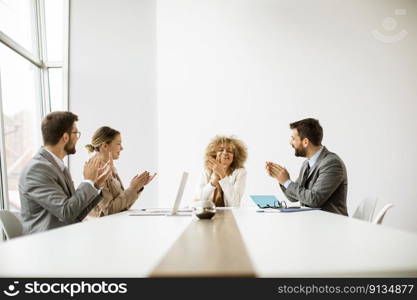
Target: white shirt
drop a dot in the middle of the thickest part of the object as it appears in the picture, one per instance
(233, 187)
(59, 161)
(312, 161)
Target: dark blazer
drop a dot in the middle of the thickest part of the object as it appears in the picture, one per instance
(325, 187)
(48, 198)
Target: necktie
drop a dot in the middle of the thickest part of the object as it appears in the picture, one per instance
(305, 175)
(68, 180)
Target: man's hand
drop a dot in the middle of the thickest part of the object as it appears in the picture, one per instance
(278, 172)
(91, 168)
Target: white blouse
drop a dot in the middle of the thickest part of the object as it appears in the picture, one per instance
(233, 187)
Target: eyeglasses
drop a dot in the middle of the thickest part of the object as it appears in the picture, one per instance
(77, 133)
(277, 204)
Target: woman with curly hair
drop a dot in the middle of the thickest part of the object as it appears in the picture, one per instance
(224, 178)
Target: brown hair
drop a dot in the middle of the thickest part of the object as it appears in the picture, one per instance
(309, 128)
(55, 124)
(240, 153)
(102, 135)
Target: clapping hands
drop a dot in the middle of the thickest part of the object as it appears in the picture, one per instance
(140, 180)
(97, 171)
(276, 171)
(217, 168)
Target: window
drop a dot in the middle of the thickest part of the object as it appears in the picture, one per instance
(56, 89)
(33, 65)
(18, 20)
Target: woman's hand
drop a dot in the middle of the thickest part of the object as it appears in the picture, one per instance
(217, 167)
(91, 168)
(151, 178)
(139, 181)
(104, 172)
(214, 179)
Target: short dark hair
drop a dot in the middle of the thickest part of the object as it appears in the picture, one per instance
(309, 128)
(55, 124)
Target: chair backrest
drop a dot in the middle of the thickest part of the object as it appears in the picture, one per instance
(12, 226)
(380, 217)
(365, 209)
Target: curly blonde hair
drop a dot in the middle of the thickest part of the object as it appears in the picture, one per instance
(239, 149)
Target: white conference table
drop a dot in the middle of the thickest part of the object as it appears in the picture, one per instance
(238, 242)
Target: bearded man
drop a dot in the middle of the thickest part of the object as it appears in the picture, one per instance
(322, 182)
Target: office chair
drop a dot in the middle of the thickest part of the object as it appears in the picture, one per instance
(365, 209)
(11, 225)
(380, 217)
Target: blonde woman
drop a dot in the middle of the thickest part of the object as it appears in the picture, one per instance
(107, 143)
(224, 178)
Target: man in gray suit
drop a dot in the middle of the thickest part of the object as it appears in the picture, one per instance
(323, 180)
(47, 194)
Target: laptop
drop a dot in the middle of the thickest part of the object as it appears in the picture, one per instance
(174, 211)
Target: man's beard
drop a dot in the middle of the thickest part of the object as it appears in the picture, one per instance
(300, 152)
(69, 148)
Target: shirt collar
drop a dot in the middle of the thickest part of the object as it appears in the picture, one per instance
(57, 160)
(312, 161)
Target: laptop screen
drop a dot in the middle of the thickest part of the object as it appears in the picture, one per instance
(180, 192)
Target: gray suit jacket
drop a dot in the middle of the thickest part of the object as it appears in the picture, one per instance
(326, 184)
(48, 200)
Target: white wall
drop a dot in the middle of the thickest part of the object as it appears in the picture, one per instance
(112, 81)
(251, 67)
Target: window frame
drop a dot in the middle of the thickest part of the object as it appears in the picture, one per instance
(41, 62)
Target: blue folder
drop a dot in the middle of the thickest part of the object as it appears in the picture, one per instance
(266, 201)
